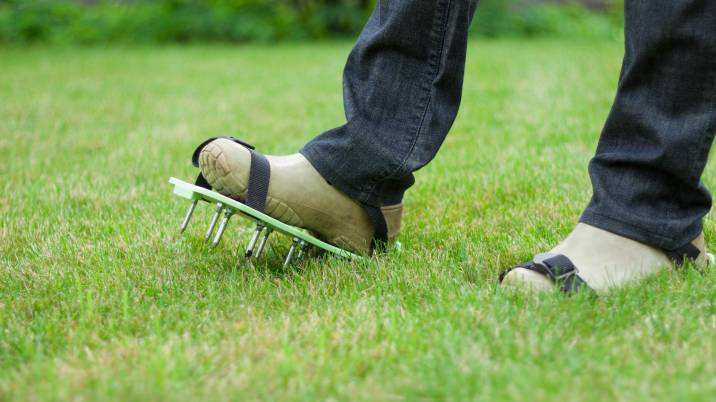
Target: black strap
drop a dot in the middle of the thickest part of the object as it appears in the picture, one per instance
(259, 174)
(259, 178)
(559, 269)
(681, 254)
(380, 228)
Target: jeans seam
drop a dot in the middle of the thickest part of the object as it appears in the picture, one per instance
(435, 63)
(436, 70)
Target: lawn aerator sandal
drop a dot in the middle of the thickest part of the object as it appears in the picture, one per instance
(252, 209)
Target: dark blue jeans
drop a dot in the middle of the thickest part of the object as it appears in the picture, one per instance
(402, 89)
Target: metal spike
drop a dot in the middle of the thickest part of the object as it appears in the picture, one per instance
(254, 238)
(290, 253)
(301, 249)
(260, 248)
(222, 227)
(185, 223)
(219, 207)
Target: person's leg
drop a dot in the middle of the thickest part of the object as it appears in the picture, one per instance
(402, 89)
(647, 170)
(647, 193)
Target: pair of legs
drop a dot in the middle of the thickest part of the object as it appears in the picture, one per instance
(402, 90)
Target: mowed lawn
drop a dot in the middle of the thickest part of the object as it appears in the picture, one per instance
(101, 299)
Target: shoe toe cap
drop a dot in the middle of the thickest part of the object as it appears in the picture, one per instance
(225, 165)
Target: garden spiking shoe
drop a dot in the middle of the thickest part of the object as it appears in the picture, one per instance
(592, 258)
(296, 194)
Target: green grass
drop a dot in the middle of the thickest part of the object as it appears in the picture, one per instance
(101, 299)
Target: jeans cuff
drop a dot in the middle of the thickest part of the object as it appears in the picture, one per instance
(639, 233)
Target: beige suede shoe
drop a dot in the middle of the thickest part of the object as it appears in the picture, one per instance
(298, 195)
(603, 261)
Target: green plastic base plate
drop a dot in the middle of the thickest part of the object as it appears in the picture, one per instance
(264, 223)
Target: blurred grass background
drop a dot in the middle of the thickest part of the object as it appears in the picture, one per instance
(101, 299)
(237, 21)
